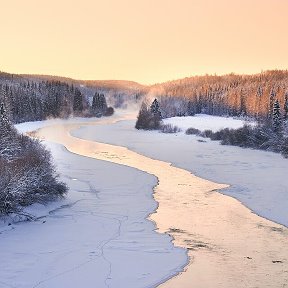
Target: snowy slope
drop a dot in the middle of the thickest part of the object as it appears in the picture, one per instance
(257, 178)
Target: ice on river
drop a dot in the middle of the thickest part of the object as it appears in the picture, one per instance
(97, 237)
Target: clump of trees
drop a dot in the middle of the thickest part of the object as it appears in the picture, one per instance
(269, 135)
(27, 174)
(259, 137)
(99, 106)
(149, 118)
(33, 99)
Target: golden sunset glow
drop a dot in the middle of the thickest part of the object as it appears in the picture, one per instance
(146, 41)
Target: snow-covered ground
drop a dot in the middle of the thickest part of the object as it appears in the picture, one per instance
(257, 178)
(97, 237)
(100, 225)
(205, 122)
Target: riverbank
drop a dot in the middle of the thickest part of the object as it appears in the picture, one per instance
(97, 237)
(256, 178)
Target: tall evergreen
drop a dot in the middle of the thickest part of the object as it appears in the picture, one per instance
(285, 108)
(78, 101)
(271, 104)
(155, 108)
(99, 104)
(5, 125)
(276, 116)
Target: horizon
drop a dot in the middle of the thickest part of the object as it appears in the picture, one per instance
(143, 84)
(146, 42)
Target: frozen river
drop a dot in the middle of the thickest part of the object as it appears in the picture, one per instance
(100, 236)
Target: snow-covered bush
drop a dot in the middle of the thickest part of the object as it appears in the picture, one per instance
(192, 131)
(261, 137)
(27, 174)
(169, 128)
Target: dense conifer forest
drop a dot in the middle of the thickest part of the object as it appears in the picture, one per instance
(231, 95)
(262, 97)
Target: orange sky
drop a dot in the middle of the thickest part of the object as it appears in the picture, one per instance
(142, 40)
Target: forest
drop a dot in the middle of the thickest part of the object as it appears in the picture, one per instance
(229, 95)
(262, 97)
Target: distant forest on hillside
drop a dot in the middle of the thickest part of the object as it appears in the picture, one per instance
(231, 95)
(32, 98)
(36, 97)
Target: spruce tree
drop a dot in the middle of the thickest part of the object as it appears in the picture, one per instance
(5, 125)
(156, 114)
(285, 108)
(144, 118)
(78, 101)
(276, 117)
(271, 104)
(155, 108)
(99, 104)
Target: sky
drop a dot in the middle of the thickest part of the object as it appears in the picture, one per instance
(148, 41)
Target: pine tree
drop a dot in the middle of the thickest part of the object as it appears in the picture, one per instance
(271, 104)
(156, 114)
(285, 108)
(144, 118)
(5, 125)
(276, 117)
(78, 101)
(99, 104)
(155, 108)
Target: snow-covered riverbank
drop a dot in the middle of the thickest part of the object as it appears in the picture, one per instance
(97, 237)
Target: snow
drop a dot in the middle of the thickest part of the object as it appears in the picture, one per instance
(97, 237)
(205, 122)
(256, 178)
(32, 126)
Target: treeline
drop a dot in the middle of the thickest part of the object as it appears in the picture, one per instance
(231, 95)
(27, 174)
(30, 101)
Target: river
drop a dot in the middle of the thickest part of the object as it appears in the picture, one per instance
(227, 244)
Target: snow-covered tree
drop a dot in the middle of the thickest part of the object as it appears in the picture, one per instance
(285, 109)
(78, 101)
(99, 105)
(149, 118)
(276, 116)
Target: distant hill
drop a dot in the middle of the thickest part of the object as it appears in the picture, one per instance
(98, 84)
(232, 94)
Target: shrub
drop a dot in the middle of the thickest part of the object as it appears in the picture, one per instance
(109, 111)
(206, 133)
(261, 137)
(192, 131)
(169, 128)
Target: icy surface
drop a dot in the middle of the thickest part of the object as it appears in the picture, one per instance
(257, 178)
(97, 237)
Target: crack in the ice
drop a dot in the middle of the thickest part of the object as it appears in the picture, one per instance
(100, 247)
(8, 285)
